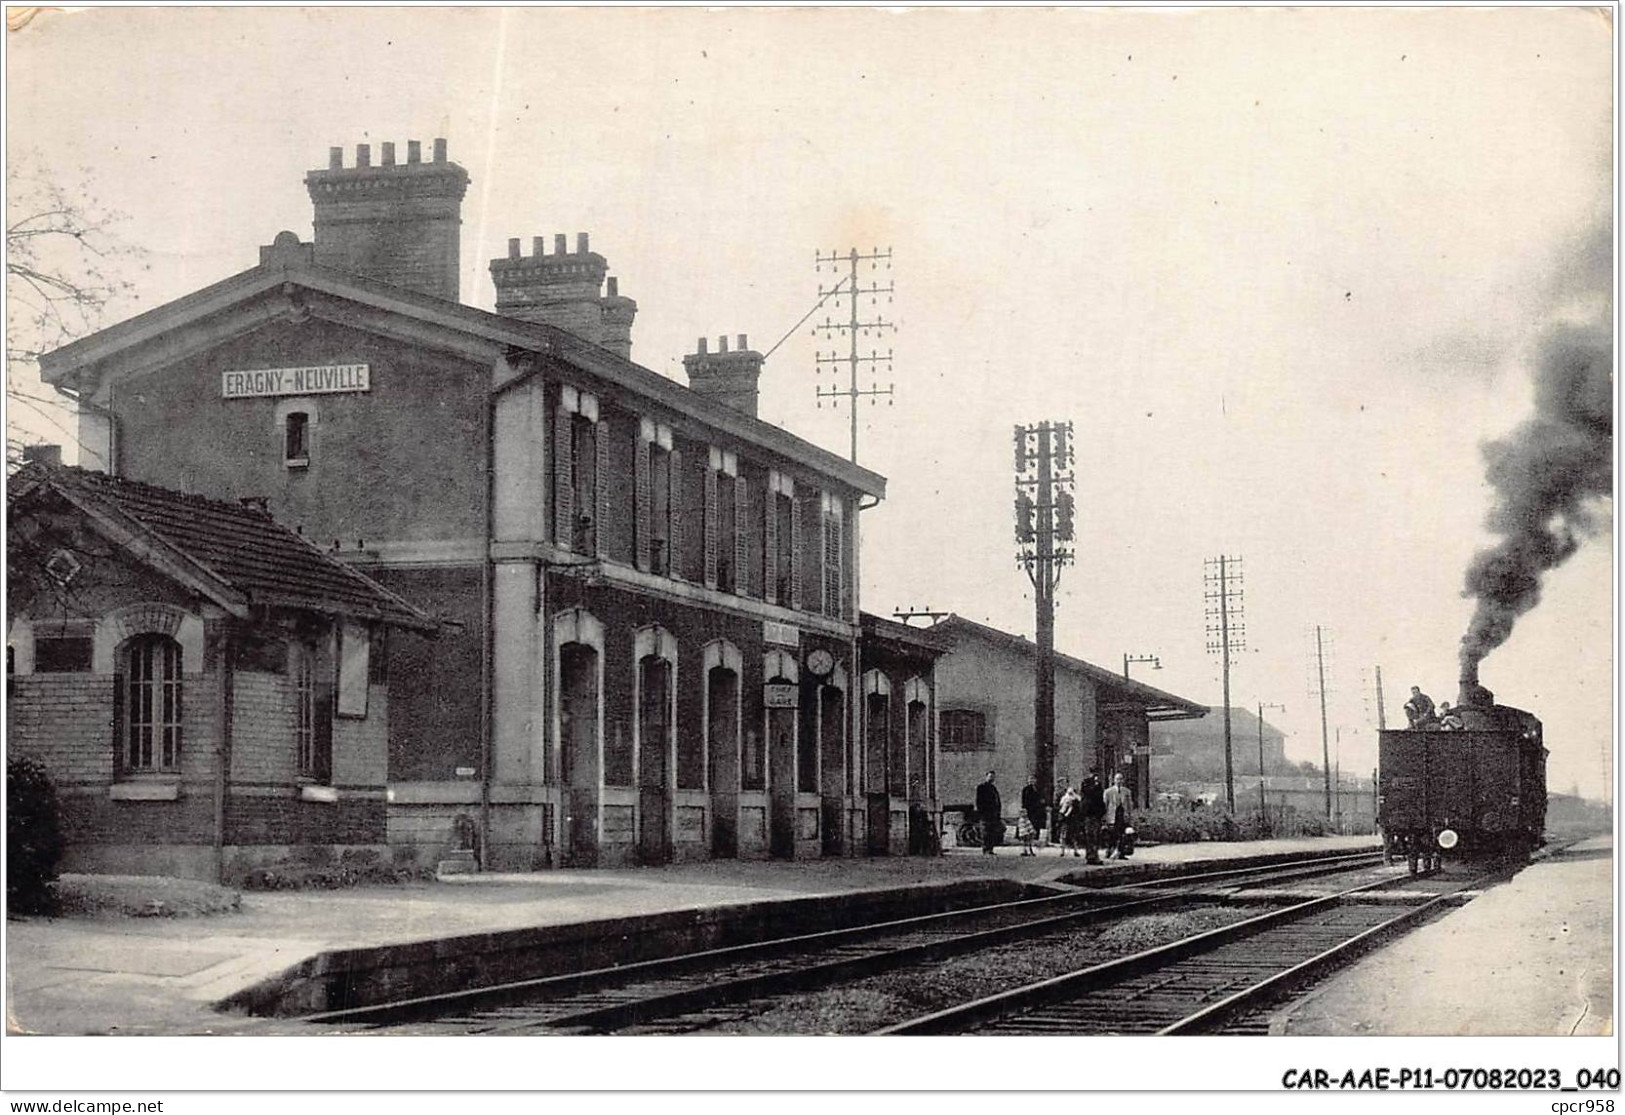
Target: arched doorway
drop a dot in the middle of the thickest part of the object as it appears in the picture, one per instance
(654, 748)
(579, 752)
(722, 745)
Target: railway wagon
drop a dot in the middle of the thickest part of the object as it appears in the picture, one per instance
(1477, 791)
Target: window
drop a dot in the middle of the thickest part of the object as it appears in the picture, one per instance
(304, 709)
(963, 730)
(834, 566)
(312, 715)
(584, 464)
(781, 519)
(722, 545)
(147, 712)
(580, 454)
(660, 474)
(296, 439)
(62, 655)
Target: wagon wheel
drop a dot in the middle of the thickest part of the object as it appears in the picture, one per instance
(970, 834)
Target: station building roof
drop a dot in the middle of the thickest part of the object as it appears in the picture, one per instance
(230, 552)
(237, 304)
(1120, 691)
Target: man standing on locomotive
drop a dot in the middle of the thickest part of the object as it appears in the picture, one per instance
(1419, 709)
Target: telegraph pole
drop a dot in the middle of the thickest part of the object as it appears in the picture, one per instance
(1263, 803)
(851, 289)
(1222, 584)
(1325, 745)
(1128, 659)
(1044, 518)
(1382, 714)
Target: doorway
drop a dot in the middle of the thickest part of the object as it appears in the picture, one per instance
(654, 748)
(579, 755)
(722, 738)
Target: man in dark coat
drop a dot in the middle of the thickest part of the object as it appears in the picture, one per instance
(1032, 805)
(1094, 813)
(1419, 709)
(990, 811)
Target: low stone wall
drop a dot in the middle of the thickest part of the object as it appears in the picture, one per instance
(340, 979)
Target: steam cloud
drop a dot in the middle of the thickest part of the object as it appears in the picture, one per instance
(1549, 475)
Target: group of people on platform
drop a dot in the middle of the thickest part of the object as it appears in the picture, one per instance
(1422, 716)
(1088, 817)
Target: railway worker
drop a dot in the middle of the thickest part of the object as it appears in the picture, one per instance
(1119, 809)
(1448, 720)
(1032, 811)
(1092, 806)
(989, 810)
(1419, 709)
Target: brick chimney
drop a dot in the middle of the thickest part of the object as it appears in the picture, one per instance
(728, 377)
(396, 222)
(564, 289)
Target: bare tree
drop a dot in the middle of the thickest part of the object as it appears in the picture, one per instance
(65, 267)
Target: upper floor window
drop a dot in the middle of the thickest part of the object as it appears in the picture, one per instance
(834, 551)
(147, 712)
(781, 524)
(722, 542)
(579, 459)
(658, 482)
(296, 439)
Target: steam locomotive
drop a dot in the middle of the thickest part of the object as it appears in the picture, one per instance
(1477, 791)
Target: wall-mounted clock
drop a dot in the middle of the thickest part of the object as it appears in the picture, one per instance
(820, 662)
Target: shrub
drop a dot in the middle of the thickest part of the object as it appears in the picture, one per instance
(33, 837)
(352, 871)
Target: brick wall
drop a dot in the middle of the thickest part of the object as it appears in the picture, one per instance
(262, 740)
(434, 684)
(415, 434)
(66, 722)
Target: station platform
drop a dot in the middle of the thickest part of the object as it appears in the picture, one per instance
(1532, 956)
(163, 975)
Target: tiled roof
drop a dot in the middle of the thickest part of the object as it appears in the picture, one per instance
(241, 546)
(1162, 706)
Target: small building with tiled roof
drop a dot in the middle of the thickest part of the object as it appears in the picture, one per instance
(986, 686)
(207, 687)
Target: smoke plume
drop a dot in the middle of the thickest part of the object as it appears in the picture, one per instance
(1550, 476)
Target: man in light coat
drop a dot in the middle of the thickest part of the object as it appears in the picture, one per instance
(1119, 809)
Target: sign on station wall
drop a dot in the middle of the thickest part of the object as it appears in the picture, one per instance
(779, 695)
(326, 379)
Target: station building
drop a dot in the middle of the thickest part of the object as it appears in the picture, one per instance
(207, 688)
(647, 596)
(986, 684)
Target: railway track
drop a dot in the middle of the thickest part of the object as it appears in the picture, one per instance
(1221, 981)
(609, 999)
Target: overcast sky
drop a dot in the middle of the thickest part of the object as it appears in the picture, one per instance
(1282, 269)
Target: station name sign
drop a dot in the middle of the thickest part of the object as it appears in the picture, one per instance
(327, 379)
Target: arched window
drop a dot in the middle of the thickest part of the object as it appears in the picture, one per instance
(147, 716)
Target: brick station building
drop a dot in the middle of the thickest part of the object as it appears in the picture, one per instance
(649, 594)
(206, 687)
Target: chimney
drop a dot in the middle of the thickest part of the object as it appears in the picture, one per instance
(399, 223)
(564, 290)
(729, 377)
(43, 455)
